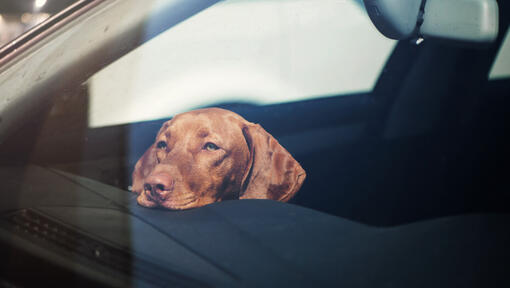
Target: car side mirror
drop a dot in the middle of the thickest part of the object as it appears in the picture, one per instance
(460, 21)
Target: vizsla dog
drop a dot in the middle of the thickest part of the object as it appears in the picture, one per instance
(210, 155)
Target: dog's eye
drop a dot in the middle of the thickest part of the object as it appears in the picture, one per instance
(211, 146)
(161, 145)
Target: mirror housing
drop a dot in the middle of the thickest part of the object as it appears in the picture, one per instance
(460, 21)
(395, 19)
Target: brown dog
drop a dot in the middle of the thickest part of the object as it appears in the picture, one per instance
(210, 155)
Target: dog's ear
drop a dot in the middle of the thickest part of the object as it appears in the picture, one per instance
(143, 168)
(272, 173)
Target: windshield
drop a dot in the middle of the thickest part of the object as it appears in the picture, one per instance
(379, 132)
(361, 113)
(203, 61)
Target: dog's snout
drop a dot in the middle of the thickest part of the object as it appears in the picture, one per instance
(159, 184)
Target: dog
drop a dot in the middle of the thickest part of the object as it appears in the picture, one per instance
(211, 155)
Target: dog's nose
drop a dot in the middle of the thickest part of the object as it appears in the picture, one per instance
(159, 184)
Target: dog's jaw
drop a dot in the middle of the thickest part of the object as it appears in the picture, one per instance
(143, 201)
(179, 204)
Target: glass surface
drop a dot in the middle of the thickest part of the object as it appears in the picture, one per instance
(369, 119)
(260, 53)
(389, 133)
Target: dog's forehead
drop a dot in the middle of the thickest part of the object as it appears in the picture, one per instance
(205, 121)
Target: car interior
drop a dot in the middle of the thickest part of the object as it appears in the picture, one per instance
(405, 186)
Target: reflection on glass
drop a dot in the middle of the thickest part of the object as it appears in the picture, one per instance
(17, 17)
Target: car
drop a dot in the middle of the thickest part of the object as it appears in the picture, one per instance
(403, 142)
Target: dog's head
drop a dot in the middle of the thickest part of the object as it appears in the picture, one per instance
(209, 155)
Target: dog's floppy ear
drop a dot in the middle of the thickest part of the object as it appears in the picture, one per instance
(143, 168)
(272, 173)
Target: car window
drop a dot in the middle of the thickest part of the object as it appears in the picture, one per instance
(501, 66)
(383, 150)
(382, 128)
(259, 52)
